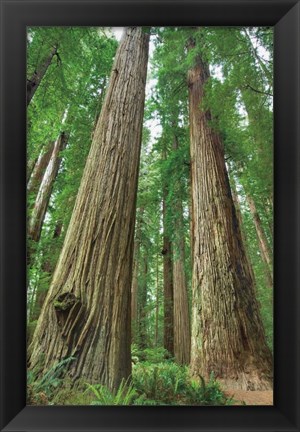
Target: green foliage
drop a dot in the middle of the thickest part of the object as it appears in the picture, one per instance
(210, 393)
(124, 395)
(150, 355)
(41, 389)
(71, 393)
(162, 382)
(167, 383)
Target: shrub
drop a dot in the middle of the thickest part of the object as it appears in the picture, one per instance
(151, 355)
(201, 393)
(161, 382)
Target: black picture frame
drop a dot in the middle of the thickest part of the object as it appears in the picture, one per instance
(15, 16)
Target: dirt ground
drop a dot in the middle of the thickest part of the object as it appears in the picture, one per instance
(242, 397)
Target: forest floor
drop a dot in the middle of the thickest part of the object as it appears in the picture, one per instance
(251, 397)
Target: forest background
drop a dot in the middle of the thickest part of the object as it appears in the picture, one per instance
(69, 72)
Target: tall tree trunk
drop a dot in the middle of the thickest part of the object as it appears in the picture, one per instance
(182, 333)
(262, 241)
(86, 314)
(168, 283)
(134, 292)
(227, 332)
(40, 168)
(43, 196)
(135, 276)
(38, 75)
(142, 303)
(157, 302)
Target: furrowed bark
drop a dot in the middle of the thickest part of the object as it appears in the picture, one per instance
(135, 276)
(87, 311)
(227, 332)
(168, 283)
(182, 332)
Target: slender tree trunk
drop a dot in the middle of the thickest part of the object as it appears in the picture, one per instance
(227, 332)
(157, 301)
(134, 291)
(168, 283)
(43, 196)
(142, 304)
(87, 311)
(135, 276)
(262, 241)
(182, 333)
(38, 75)
(40, 168)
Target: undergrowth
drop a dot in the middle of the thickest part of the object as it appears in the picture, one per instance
(156, 380)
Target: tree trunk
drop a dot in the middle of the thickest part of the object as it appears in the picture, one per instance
(157, 302)
(38, 75)
(43, 196)
(135, 276)
(227, 332)
(86, 314)
(168, 284)
(142, 303)
(262, 241)
(239, 216)
(40, 168)
(134, 291)
(182, 333)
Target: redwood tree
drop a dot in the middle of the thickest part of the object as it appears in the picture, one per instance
(86, 314)
(168, 279)
(227, 332)
(182, 331)
(42, 200)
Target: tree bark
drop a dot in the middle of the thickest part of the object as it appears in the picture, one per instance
(227, 332)
(262, 241)
(43, 196)
(239, 216)
(182, 333)
(40, 168)
(86, 314)
(142, 303)
(157, 302)
(38, 75)
(135, 276)
(168, 283)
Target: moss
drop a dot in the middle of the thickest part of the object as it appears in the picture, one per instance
(64, 302)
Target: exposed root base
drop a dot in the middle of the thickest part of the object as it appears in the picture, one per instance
(246, 382)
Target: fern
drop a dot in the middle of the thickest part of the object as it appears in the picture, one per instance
(124, 395)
